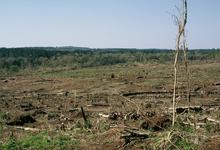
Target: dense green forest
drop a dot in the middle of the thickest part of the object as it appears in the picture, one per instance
(15, 59)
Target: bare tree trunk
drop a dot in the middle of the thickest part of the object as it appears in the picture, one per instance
(181, 23)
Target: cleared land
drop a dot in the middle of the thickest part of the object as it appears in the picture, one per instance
(125, 105)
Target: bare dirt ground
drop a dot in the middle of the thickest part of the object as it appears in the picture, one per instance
(127, 106)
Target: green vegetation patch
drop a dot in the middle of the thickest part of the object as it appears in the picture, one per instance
(184, 144)
(41, 141)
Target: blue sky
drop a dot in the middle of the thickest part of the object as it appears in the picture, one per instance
(106, 23)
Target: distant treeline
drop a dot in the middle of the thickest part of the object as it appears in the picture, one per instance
(14, 59)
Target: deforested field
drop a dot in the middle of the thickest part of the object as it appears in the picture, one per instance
(57, 98)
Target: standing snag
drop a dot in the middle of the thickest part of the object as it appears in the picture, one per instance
(181, 44)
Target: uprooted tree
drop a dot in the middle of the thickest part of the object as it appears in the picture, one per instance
(181, 44)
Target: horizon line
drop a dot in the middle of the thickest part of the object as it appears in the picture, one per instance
(85, 47)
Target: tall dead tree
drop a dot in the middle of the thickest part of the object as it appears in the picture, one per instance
(181, 44)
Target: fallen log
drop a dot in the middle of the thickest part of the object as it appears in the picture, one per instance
(213, 120)
(98, 104)
(130, 135)
(103, 115)
(184, 109)
(26, 128)
(141, 93)
(198, 124)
